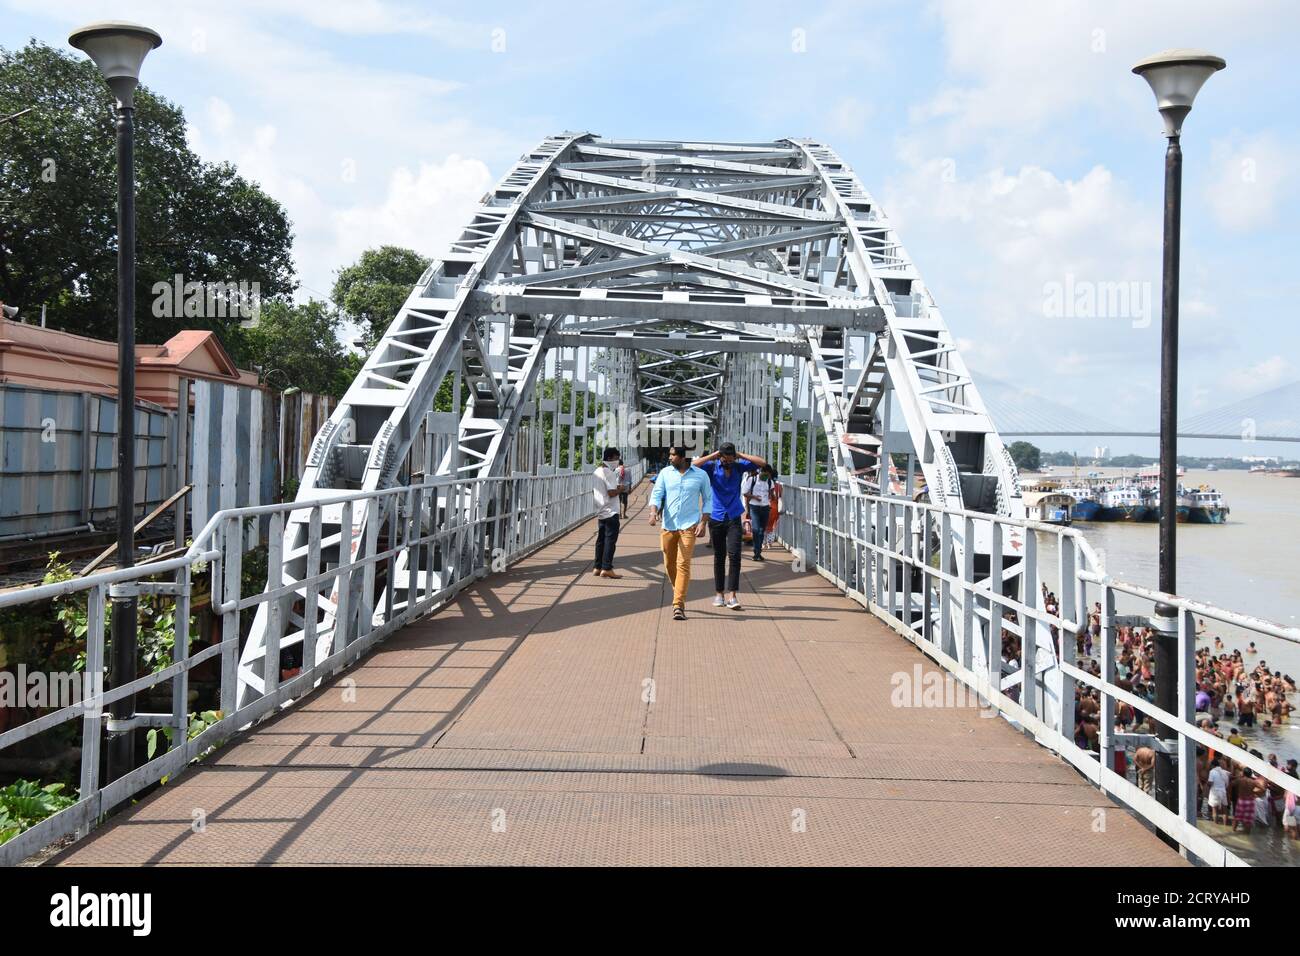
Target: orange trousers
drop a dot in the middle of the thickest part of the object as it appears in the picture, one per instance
(678, 546)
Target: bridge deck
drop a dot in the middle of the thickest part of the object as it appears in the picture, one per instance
(511, 728)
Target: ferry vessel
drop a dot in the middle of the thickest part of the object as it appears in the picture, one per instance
(1151, 497)
(1049, 506)
(1122, 503)
(1205, 505)
(1086, 507)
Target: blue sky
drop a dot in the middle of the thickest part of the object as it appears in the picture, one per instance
(1009, 142)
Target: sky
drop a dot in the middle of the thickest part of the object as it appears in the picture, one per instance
(1019, 158)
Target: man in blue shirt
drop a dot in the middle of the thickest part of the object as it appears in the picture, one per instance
(729, 520)
(683, 496)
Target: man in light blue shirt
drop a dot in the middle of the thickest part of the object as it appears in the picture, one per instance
(683, 495)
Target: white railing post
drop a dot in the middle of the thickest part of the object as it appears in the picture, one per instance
(1029, 624)
(311, 598)
(419, 551)
(276, 608)
(343, 583)
(93, 719)
(1072, 609)
(948, 564)
(180, 654)
(993, 641)
(232, 553)
(1188, 804)
(906, 549)
(967, 597)
(1106, 717)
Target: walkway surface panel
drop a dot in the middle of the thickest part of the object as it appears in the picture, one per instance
(547, 716)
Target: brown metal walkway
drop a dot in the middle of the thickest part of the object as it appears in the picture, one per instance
(551, 717)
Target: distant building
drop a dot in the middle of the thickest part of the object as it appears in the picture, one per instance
(1101, 452)
(46, 358)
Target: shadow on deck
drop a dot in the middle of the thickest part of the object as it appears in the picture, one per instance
(551, 717)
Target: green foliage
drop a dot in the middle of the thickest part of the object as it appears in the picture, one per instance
(156, 628)
(25, 803)
(1026, 455)
(372, 290)
(198, 723)
(58, 173)
(302, 343)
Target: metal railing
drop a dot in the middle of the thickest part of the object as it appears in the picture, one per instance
(895, 557)
(447, 531)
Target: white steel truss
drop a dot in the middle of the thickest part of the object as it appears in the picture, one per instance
(753, 291)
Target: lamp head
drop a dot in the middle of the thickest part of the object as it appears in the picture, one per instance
(118, 49)
(1176, 76)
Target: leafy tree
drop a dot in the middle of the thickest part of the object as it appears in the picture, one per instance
(372, 290)
(58, 206)
(1026, 455)
(302, 342)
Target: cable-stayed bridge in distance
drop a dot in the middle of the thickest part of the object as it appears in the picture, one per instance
(1273, 415)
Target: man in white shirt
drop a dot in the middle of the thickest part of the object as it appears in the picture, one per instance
(756, 490)
(1219, 778)
(604, 486)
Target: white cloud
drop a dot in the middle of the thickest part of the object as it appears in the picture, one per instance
(1260, 377)
(1251, 178)
(996, 246)
(423, 210)
(1021, 65)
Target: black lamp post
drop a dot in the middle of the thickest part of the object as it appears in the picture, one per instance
(119, 49)
(1175, 76)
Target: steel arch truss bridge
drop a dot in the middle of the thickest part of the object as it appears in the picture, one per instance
(617, 292)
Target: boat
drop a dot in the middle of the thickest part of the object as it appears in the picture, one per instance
(1285, 472)
(1211, 467)
(1206, 506)
(1085, 506)
(1150, 501)
(1122, 503)
(1260, 469)
(1050, 507)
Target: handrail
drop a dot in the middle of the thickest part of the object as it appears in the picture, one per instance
(880, 551)
(527, 512)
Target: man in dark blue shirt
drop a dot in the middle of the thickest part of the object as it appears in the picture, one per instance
(725, 468)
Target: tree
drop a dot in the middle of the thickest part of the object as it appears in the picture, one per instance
(302, 342)
(1026, 456)
(372, 290)
(58, 221)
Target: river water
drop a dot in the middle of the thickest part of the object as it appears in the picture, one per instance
(1251, 565)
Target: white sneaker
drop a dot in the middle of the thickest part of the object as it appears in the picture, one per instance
(718, 602)
(734, 603)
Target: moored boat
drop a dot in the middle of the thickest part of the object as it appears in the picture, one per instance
(1086, 506)
(1206, 506)
(1052, 507)
(1122, 503)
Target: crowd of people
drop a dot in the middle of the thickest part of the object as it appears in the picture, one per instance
(1230, 695)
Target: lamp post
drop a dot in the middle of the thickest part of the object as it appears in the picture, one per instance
(119, 49)
(1175, 76)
